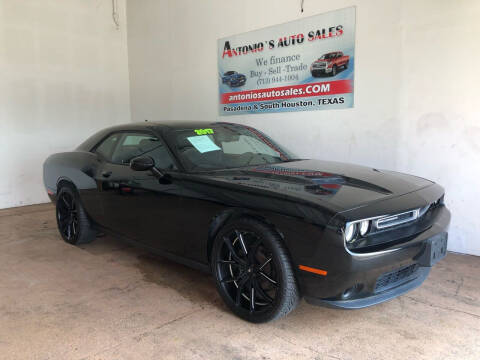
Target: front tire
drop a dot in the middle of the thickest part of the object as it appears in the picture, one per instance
(253, 272)
(72, 220)
(334, 70)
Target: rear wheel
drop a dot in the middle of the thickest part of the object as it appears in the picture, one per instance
(253, 271)
(72, 221)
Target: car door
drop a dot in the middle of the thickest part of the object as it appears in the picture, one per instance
(91, 198)
(136, 203)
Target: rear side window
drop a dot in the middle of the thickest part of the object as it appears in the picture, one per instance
(105, 149)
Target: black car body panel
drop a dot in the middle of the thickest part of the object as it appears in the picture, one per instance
(307, 201)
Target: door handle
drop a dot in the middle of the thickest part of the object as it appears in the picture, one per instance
(106, 174)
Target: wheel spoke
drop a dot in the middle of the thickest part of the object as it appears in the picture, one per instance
(64, 198)
(63, 222)
(261, 292)
(252, 296)
(231, 279)
(227, 241)
(253, 250)
(242, 242)
(268, 278)
(239, 290)
(227, 281)
(231, 262)
(265, 263)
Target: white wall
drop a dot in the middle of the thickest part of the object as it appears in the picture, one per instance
(63, 75)
(415, 86)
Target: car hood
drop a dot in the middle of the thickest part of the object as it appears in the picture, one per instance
(336, 185)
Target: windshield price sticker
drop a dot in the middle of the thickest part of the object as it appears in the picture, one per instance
(203, 143)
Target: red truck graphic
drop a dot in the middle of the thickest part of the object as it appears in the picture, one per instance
(329, 63)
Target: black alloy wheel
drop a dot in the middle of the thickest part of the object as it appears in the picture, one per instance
(253, 271)
(67, 217)
(72, 221)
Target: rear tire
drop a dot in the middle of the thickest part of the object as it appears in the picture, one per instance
(72, 220)
(253, 271)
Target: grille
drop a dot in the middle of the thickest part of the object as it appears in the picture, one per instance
(396, 219)
(395, 277)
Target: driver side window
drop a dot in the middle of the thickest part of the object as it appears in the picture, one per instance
(126, 146)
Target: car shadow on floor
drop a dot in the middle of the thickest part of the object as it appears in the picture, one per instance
(194, 285)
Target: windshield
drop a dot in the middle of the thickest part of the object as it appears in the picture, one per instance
(327, 56)
(224, 146)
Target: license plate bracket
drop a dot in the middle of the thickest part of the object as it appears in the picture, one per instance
(435, 250)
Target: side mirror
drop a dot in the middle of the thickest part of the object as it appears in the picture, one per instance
(142, 163)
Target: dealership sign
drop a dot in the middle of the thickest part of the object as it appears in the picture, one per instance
(306, 64)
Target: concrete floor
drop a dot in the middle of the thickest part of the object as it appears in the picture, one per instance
(107, 300)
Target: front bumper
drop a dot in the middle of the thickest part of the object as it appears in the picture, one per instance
(238, 83)
(361, 302)
(353, 281)
(323, 70)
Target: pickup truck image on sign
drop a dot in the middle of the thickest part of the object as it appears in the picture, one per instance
(329, 63)
(234, 79)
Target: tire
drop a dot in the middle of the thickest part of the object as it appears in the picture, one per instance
(315, 73)
(346, 65)
(253, 272)
(334, 70)
(72, 220)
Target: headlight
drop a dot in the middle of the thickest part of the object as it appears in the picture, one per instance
(350, 231)
(363, 226)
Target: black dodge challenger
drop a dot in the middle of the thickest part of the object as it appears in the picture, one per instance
(271, 228)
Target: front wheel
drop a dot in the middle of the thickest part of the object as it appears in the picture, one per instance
(334, 70)
(253, 272)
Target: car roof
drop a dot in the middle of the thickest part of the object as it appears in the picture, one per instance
(178, 124)
(169, 124)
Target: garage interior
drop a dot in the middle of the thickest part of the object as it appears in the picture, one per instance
(70, 68)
